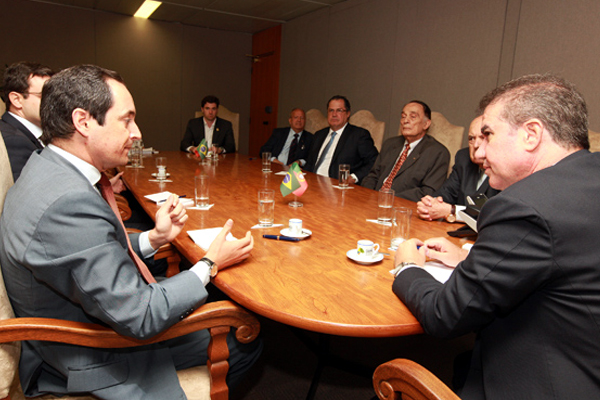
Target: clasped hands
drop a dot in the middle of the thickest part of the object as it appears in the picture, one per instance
(415, 251)
(170, 220)
(430, 208)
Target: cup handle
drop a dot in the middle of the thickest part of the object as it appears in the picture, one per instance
(375, 249)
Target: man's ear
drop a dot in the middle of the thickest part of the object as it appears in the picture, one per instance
(532, 133)
(15, 100)
(81, 121)
(427, 124)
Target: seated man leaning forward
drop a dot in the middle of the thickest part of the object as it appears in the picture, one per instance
(287, 145)
(413, 164)
(341, 143)
(468, 178)
(529, 285)
(65, 254)
(217, 131)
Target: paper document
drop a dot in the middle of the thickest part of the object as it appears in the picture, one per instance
(204, 237)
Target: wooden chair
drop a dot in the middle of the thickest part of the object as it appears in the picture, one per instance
(202, 382)
(315, 121)
(447, 134)
(365, 119)
(594, 141)
(230, 116)
(407, 380)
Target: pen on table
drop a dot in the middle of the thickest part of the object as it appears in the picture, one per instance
(162, 201)
(278, 237)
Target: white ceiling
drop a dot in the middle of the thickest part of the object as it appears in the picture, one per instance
(249, 16)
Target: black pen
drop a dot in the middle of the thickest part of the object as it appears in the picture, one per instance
(163, 201)
(277, 237)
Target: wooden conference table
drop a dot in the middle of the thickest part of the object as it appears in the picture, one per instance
(310, 284)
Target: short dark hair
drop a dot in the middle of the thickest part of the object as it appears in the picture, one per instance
(339, 97)
(210, 99)
(82, 86)
(16, 78)
(426, 109)
(549, 98)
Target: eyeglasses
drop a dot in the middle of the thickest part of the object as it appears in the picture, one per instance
(38, 94)
(336, 111)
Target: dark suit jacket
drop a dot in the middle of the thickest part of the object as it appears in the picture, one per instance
(423, 172)
(20, 143)
(462, 182)
(529, 288)
(222, 134)
(64, 255)
(355, 147)
(277, 140)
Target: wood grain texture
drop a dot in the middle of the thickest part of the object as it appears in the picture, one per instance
(310, 284)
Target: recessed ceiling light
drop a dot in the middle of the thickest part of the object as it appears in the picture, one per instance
(147, 8)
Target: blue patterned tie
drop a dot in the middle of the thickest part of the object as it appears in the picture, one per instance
(293, 148)
(322, 158)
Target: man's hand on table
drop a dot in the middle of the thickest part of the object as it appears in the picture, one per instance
(430, 208)
(443, 250)
(226, 253)
(170, 220)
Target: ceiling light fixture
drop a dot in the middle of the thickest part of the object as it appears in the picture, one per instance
(147, 8)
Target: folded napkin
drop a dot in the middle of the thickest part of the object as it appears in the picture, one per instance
(342, 188)
(257, 226)
(193, 207)
(157, 180)
(204, 237)
(379, 223)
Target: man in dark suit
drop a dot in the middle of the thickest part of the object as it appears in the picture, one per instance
(413, 164)
(20, 124)
(529, 285)
(467, 179)
(341, 143)
(217, 131)
(287, 145)
(64, 254)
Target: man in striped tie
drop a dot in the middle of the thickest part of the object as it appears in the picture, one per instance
(414, 164)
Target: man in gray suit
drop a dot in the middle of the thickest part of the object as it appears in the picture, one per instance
(20, 125)
(64, 254)
(529, 285)
(413, 164)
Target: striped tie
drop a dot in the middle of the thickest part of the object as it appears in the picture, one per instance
(388, 181)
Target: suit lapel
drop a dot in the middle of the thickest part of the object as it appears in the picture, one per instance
(15, 123)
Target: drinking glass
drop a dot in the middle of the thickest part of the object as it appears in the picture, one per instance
(161, 164)
(266, 207)
(344, 175)
(400, 226)
(266, 161)
(201, 190)
(385, 203)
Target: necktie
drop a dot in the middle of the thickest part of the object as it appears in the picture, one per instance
(109, 196)
(388, 181)
(292, 152)
(322, 158)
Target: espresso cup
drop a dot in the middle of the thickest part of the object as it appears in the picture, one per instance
(295, 226)
(367, 249)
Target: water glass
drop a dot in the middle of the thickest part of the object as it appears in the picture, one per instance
(266, 161)
(344, 175)
(386, 204)
(201, 190)
(266, 207)
(161, 164)
(400, 226)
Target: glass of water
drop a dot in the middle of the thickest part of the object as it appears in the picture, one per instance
(386, 204)
(266, 207)
(400, 226)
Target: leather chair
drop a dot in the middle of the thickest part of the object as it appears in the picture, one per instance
(230, 116)
(447, 134)
(203, 382)
(365, 119)
(407, 380)
(594, 141)
(315, 120)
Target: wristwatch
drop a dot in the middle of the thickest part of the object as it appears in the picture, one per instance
(213, 268)
(452, 216)
(401, 266)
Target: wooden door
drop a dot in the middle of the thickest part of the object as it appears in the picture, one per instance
(264, 97)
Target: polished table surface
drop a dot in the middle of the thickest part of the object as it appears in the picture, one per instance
(310, 284)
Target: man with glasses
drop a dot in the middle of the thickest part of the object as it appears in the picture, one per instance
(20, 124)
(341, 143)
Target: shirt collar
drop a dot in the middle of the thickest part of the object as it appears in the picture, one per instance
(339, 131)
(33, 128)
(90, 172)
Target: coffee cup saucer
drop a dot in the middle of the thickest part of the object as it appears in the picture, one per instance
(305, 233)
(353, 255)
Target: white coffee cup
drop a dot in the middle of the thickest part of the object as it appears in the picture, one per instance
(295, 226)
(366, 249)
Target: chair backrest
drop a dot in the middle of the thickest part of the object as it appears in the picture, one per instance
(447, 134)
(315, 120)
(230, 116)
(9, 352)
(365, 119)
(594, 140)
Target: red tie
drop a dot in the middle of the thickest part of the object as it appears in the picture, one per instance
(109, 196)
(388, 181)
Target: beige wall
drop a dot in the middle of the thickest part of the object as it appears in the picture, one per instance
(167, 67)
(384, 53)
